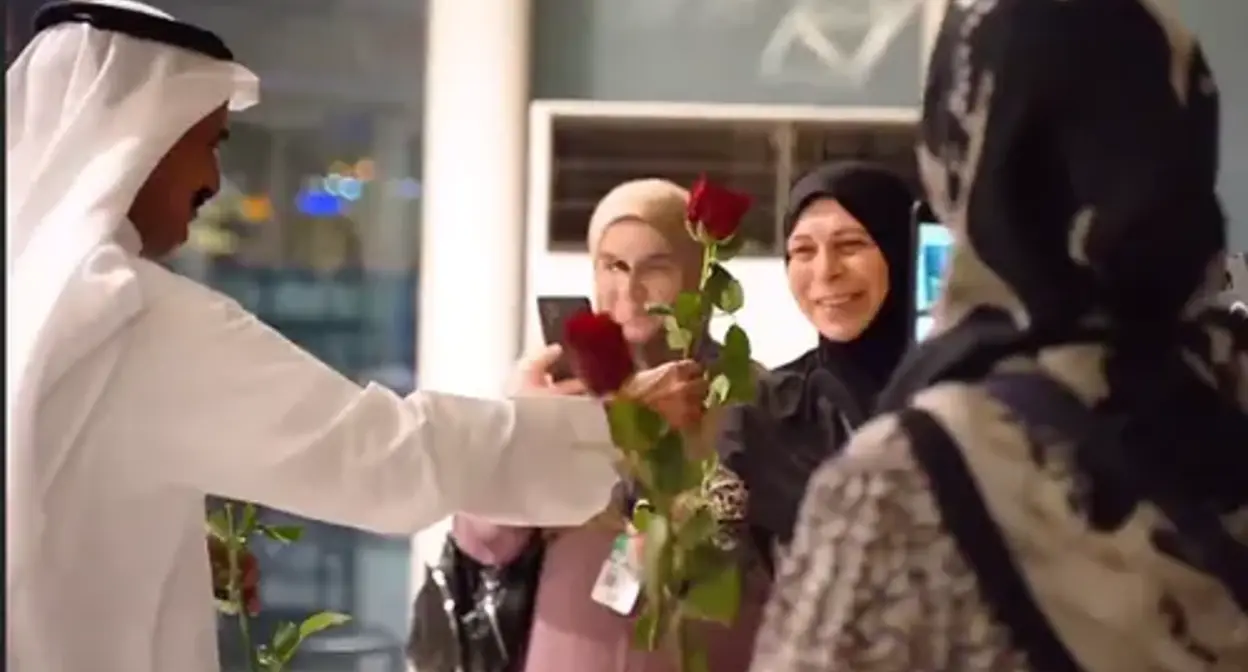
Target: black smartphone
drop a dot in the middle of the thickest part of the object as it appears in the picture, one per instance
(553, 312)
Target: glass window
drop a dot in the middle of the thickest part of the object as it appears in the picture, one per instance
(316, 230)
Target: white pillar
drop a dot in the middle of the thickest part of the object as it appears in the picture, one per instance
(472, 248)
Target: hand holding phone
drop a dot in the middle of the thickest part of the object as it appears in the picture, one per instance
(553, 312)
(532, 375)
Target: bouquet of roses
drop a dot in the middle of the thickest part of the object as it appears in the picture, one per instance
(689, 567)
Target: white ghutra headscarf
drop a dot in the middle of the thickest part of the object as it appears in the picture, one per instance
(100, 94)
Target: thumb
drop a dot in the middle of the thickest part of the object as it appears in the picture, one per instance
(570, 387)
(538, 365)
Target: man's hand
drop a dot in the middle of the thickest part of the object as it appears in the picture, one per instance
(675, 390)
(532, 374)
(220, 561)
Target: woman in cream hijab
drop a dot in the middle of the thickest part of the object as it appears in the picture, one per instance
(641, 255)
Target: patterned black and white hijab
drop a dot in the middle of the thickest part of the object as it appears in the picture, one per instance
(1071, 148)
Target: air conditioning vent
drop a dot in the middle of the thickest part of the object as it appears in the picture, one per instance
(592, 157)
(589, 155)
(889, 144)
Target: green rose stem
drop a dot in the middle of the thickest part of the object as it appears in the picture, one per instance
(687, 575)
(235, 533)
(704, 317)
(233, 554)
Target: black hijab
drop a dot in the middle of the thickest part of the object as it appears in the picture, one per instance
(883, 203)
(805, 409)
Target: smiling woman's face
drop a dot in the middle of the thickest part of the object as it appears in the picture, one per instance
(837, 274)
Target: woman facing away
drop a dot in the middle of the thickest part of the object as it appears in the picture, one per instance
(849, 259)
(1072, 149)
(642, 254)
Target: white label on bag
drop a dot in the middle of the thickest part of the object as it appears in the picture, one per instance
(619, 581)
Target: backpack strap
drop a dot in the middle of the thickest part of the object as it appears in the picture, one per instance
(966, 516)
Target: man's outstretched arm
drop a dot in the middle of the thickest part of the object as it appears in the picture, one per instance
(208, 397)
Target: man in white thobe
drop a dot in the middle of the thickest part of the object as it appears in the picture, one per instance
(132, 392)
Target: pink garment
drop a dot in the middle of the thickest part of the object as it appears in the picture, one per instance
(571, 632)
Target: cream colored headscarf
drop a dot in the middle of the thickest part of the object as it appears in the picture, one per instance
(660, 204)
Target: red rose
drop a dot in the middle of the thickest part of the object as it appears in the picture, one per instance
(598, 353)
(718, 209)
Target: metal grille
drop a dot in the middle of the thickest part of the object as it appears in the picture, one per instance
(590, 156)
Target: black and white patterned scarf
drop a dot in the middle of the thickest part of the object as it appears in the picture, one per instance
(1071, 147)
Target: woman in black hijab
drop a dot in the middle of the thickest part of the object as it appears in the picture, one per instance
(849, 260)
(849, 252)
(1071, 148)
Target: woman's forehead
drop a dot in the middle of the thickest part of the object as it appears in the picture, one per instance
(631, 239)
(825, 217)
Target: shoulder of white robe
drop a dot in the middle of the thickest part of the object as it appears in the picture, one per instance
(101, 296)
(106, 297)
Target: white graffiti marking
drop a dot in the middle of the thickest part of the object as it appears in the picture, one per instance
(811, 26)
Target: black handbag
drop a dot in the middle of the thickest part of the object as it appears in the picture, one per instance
(471, 617)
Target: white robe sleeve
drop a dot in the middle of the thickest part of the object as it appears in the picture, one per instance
(215, 400)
